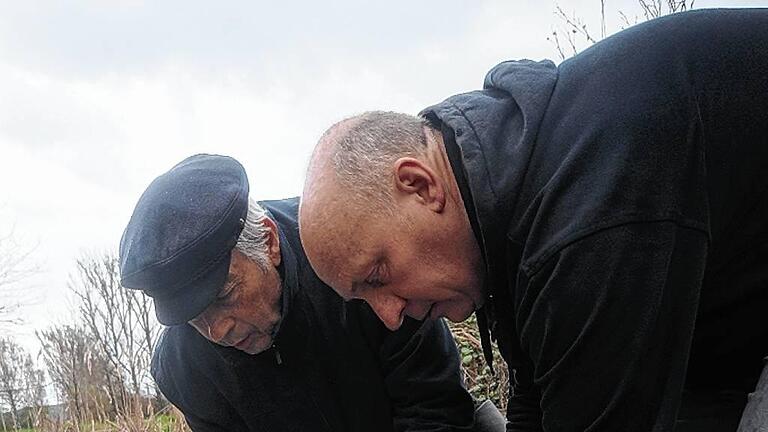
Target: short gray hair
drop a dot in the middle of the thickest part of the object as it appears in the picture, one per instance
(254, 236)
(365, 147)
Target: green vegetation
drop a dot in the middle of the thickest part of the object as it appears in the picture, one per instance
(481, 383)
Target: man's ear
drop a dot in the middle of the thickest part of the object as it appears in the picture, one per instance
(273, 241)
(415, 178)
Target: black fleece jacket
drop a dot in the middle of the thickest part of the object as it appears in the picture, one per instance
(622, 205)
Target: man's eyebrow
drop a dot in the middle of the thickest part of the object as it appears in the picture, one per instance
(360, 285)
(355, 289)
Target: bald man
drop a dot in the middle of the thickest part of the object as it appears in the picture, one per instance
(606, 218)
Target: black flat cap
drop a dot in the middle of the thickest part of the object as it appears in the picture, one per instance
(177, 245)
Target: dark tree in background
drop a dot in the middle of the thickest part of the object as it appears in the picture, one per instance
(22, 385)
(122, 324)
(99, 362)
(78, 370)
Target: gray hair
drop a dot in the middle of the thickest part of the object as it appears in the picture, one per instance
(254, 236)
(366, 146)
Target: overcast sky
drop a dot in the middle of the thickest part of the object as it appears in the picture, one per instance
(99, 97)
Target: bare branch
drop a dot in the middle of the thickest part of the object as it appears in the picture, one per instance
(576, 25)
(572, 42)
(556, 40)
(602, 19)
(573, 28)
(14, 267)
(625, 19)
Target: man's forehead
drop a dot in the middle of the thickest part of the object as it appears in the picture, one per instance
(332, 226)
(346, 258)
(344, 263)
(335, 235)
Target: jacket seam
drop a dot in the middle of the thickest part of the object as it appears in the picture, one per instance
(532, 266)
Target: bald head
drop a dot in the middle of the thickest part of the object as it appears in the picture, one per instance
(350, 175)
(381, 209)
(350, 172)
(359, 151)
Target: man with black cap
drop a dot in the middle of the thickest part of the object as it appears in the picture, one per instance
(256, 341)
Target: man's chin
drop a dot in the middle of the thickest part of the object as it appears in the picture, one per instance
(257, 347)
(459, 316)
(458, 313)
(255, 350)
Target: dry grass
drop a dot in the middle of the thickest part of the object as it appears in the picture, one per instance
(168, 419)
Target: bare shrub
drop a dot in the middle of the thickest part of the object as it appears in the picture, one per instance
(21, 384)
(122, 324)
(79, 372)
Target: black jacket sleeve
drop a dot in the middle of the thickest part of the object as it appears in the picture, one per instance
(607, 323)
(422, 373)
(190, 389)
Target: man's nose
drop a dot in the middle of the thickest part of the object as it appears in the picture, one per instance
(389, 309)
(218, 330)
